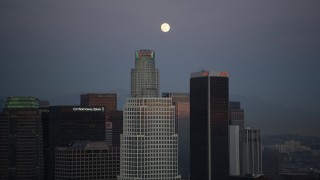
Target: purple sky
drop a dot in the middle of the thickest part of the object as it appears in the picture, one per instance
(271, 48)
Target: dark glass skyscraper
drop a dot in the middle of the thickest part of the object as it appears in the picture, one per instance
(209, 146)
(73, 123)
(21, 148)
(116, 120)
(109, 101)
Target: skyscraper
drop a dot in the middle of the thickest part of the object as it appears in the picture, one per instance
(236, 114)
(145, 77)
(44, 107)
(21, 148)
(149, 144)
(182, 119)
(245, 151)
(250, 151)
(116, 120)
(73, 123)
(87, 160)
(209, 143)
(109, 101)
(234, 150)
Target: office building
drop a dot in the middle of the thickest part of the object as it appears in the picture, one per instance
(73, 123)
(21, 148)
(209, 140)
(245, 151)
(44, 107)
(248, 177)
(182, 124)
(145, 77)
(87, 160)
(290, 147)
(1, 104)
(114, 127)
(116, 120)
(236, 114)
(149, 144)
(250, 151)
(234, 150)
(108, 100)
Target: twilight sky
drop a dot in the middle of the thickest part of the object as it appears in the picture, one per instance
(271, 48)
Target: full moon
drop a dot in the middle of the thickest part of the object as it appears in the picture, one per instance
(165, 27)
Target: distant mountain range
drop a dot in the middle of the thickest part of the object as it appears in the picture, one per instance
(271, 118)
(278, 119)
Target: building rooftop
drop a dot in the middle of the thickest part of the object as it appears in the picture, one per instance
(21, 102)
(209, 73)
(90, 144)
(87, 145)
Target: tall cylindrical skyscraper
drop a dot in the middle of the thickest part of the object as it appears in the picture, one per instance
(149, 144)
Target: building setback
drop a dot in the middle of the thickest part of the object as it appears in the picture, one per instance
(73, 123)
(182, 125)
(87, 160)
(21, 148)
(209, 143)
(149, 144)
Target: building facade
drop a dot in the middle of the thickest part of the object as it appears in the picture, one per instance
(116, 120)
(245, 151)
(234, 150)
(181, 101)
(87, 160)
(44, 107)
(149, 144)
(236, 114)
(108, 100)
(209, 143)
(21, 148)
(250, 151)
(144, 77)
(73, 123)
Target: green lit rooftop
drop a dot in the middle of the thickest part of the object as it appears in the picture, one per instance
(21, 102)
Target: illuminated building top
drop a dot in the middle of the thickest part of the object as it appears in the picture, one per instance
(145, 55)
(210, 73)
(145, 76)
(21, 102)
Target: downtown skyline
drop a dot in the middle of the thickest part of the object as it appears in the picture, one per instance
(54, 49)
